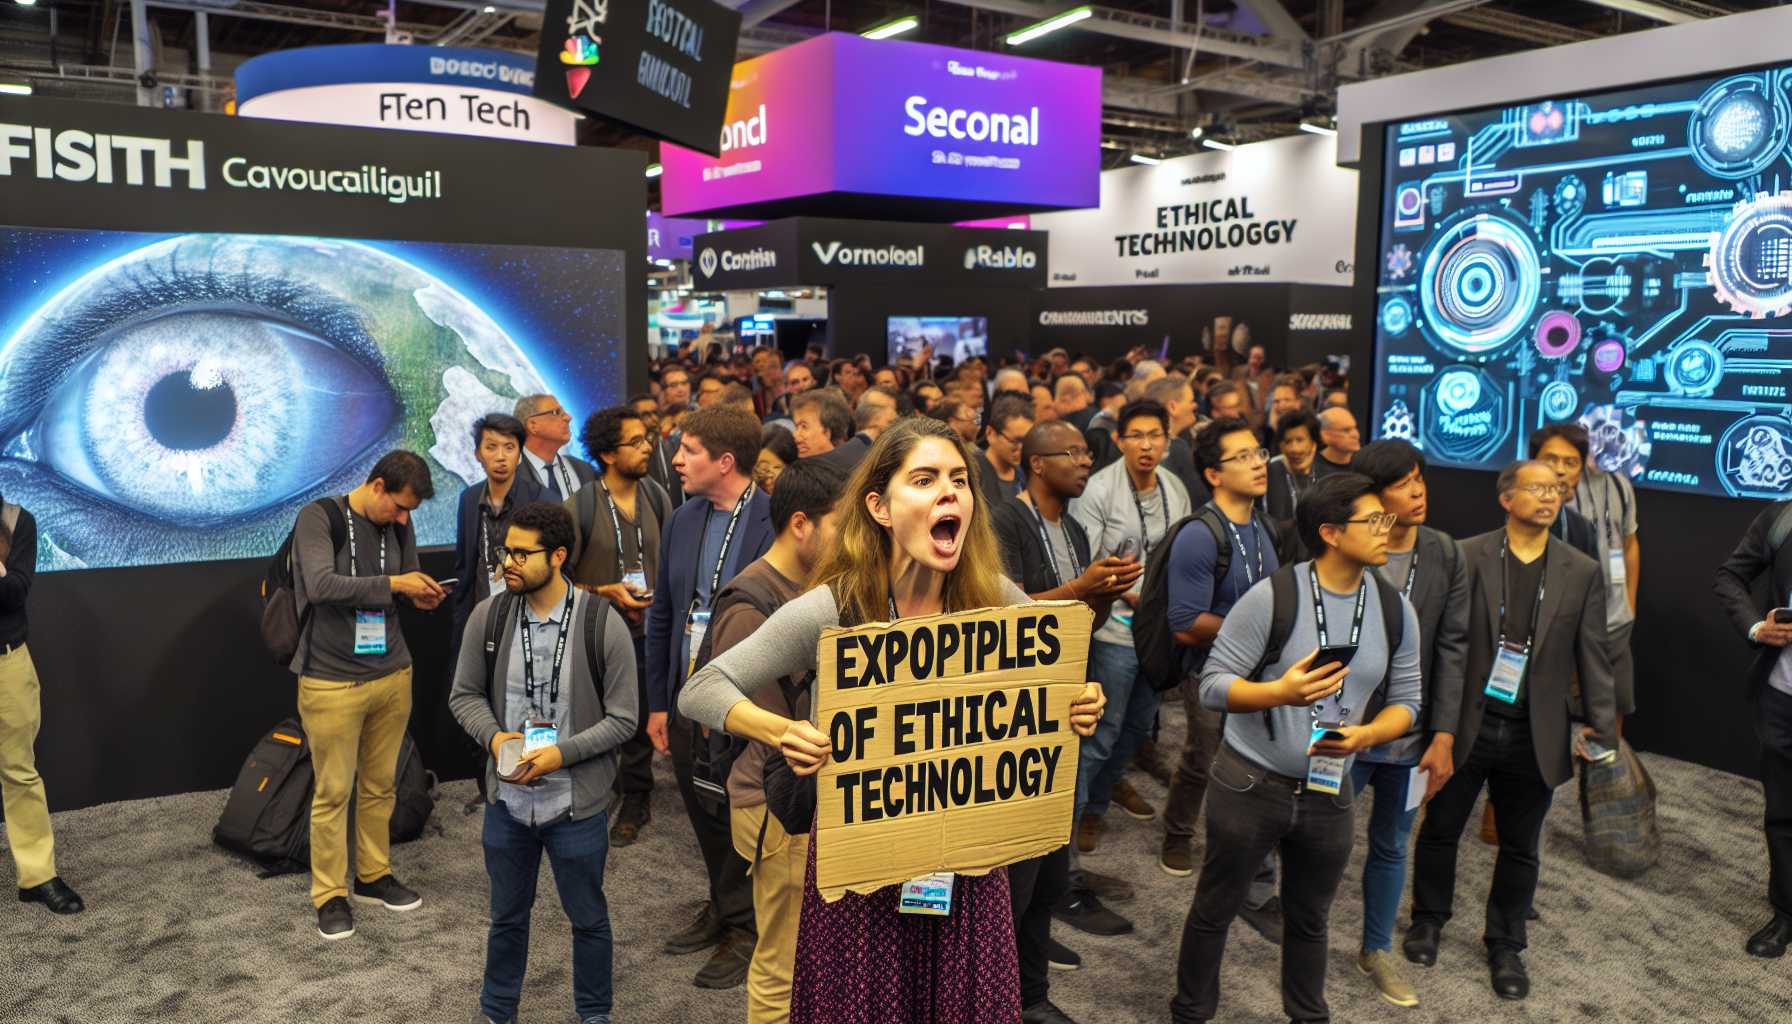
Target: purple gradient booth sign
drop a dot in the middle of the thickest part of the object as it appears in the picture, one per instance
(962, 132)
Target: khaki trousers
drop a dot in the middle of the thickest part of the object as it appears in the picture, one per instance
(27, 810)
(777, 904)
(355, 731)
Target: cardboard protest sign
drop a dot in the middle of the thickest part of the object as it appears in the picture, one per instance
(952, 743)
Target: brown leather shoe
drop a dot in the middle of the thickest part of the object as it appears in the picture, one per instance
(631, 814)
(1128, 799)
(1088, 833)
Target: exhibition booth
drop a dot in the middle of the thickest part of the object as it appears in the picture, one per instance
(172, 279)
(1542, 241)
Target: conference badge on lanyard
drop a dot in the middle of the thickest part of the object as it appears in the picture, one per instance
(539, 733)
(370, 631)
(1508, 672)
(1614, 566)
(696, 629)
(1325, 774)
(930, 895)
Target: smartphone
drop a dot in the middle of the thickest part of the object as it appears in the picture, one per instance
(451, 581)
(1780, 615)
(1126, 548)
(1594, 751)
(1331, 734)
(1340, 654)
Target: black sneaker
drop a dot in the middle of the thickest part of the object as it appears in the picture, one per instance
(701, 934)
(335, 920)
(1267, 919)
(1060, 957)
(727, 966)
(1080, 909)
(388, 893)
(1045, 1012)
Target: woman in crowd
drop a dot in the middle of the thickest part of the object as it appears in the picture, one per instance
(777, 450)
(912, 541)
(1291, 470)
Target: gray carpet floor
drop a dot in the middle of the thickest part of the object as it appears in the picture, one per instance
(179, 931)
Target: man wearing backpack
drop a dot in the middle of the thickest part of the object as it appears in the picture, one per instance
(355, 677)
(27, 810)
(553, 668)
(1429, 571)
(1536, 624)
(802, 509)
(1281, 779)
(616, 521)
(1214, 561)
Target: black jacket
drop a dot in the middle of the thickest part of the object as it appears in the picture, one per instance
(660, 468)
(472, 589)
(992, 491)
(846, 456)
(15, 586)
(1736, 585)
(1024, 556)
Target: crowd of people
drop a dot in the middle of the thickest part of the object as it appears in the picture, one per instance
(1242, 551)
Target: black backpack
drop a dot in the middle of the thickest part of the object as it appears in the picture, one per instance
(504, 607)
(1161, 659)
(267, 816)
(713, 756)
(1286, 602)
(282, 627)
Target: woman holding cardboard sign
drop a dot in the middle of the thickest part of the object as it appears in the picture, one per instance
(912, 541)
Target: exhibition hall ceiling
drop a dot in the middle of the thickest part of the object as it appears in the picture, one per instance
(1239, 71)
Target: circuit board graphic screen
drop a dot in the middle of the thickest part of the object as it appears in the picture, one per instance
(1623, 260)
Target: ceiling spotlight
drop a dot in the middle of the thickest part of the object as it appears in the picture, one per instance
(1224, 147)
(489, 9)
(27, 3)
(894, 28)
(1140, 158)
(1050, 25)
(1197, 132)
(654, 170)
(1315, 128)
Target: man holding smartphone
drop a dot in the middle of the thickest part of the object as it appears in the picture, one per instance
(1536, 623)
(1235, 466)
(1281, 779)
(1762, 552)
(615, 551)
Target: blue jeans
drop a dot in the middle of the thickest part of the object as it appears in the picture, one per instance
(576, 849)
(1118, 736)
(1390, 830)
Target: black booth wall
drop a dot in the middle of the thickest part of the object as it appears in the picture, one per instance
(154, 679)
(1690, 662)
(1177, 312)
(857, 314)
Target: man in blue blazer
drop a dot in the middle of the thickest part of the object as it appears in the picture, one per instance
(723, 527)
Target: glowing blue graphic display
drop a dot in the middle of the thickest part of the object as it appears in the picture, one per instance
(176, 398)
(1623, 260)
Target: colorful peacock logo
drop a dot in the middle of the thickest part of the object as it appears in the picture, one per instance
(580, 53)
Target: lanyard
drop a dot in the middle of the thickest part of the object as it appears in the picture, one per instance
(1536, 609)
(1145, 530)
(352, 570)
(616, 521)
(1612, 534)
(1412, 571)
(559, 656)
(715, 579)
(1075, 568)
(1238, 545)
(486, 515)
(1356, 630)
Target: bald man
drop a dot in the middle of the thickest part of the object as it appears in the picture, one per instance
(1338, 441)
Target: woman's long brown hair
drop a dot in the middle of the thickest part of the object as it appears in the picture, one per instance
(857, 567)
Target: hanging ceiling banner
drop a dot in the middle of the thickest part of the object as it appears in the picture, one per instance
(1279, 211)
(659, 66)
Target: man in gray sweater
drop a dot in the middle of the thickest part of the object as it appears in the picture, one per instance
(351, 566)
(561, 682)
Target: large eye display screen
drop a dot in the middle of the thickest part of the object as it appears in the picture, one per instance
(1621, 260)
(172, 398)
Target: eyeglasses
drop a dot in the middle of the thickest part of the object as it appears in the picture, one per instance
(516, 556)
(1073, 454)
(1154, 438)
(555, 411)
(1378, 522)
(1544, 490)
(639, 442)
(1249, 458)
(1015, 441)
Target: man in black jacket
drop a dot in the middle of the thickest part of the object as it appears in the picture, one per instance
(1427, 567)
(1536, 622)
(1046, 552)
(549, 427)
(1763, 552)
(27, 811)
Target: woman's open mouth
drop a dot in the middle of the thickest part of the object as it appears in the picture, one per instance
(946, 531)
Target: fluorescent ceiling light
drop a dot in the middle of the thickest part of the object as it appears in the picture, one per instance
(1317, 129)
(654, 170)
(1050, 25)
(1226, 147)
(27, 3)
(13, 88)
(1664, 13)
(894, 28)
(1140, 158)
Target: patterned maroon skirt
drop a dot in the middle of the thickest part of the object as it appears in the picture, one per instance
(859, 961)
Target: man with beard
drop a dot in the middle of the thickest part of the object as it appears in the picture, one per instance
(560, 681)
(1047, 553)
